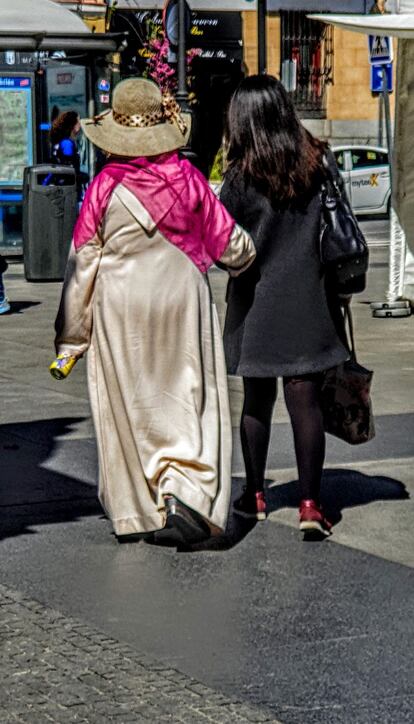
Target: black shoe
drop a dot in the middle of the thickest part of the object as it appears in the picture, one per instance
(134, 537)
(184, 526)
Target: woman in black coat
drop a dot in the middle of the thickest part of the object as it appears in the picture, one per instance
(283, 317)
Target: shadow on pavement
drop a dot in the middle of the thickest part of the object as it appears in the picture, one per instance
(237, 527)
(340, 489)
(19, 307)
(31, 494)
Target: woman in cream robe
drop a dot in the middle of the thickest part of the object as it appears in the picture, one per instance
(136, 296)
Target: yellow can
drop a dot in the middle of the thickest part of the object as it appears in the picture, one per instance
(61, 366)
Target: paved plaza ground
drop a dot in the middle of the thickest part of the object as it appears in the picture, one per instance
(256, 626)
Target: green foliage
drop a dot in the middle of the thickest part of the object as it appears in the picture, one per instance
(216, 173)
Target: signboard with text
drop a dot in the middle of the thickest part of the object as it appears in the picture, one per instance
(218, 35)
(16, 127)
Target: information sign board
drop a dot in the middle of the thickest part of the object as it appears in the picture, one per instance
(377, 77)
(380, 49)
(16, 127)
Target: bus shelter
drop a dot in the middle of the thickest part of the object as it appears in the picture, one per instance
(41, 42)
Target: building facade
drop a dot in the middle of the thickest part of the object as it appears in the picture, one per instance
(332, 69)
(326, 68)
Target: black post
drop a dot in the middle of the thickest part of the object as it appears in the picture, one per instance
(261, 35)
(41, 114)
(182, 92)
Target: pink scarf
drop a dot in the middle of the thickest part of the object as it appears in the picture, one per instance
(177, 197)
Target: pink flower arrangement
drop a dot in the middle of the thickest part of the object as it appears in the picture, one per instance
(159, 68)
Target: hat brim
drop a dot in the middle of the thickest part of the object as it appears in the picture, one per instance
(119, 140)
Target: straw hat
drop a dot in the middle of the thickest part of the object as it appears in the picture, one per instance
(142, 121)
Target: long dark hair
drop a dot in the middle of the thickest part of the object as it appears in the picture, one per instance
(267, 142)
(63, 126)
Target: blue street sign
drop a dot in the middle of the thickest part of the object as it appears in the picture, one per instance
(380, 49)
(170, 21)
(15, 82)
(104, 85)
(377, 77)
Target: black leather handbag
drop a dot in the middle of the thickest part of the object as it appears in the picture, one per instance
(343, 249)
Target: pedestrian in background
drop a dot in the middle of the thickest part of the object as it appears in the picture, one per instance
(283, 316)
(65, 129)
(136, 295)
(4, 302)
(379, 8)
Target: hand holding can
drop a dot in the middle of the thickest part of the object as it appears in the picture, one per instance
(62, 366)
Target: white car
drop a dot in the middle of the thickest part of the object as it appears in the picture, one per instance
(366, 174)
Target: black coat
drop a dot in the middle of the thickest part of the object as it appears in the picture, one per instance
(281, 319)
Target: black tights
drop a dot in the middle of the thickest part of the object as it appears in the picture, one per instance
(302, 395)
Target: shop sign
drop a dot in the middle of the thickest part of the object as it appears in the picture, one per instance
(218, 53)
(205, 27)
(216, 27)
(216, 35)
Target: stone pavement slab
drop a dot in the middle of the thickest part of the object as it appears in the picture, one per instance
(57, 669)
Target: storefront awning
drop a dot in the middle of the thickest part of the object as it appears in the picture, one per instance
(312, 6)
(338, 6)
(399, 26)
(218, 5)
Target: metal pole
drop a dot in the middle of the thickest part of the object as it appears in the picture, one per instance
(261, 35)
(182, 92)
(380, 118)
(387, 113)
(91, 77)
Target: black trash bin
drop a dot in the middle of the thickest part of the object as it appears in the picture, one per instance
(50, 209)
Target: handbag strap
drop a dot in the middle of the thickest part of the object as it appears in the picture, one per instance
(348, 319)
(333, 177)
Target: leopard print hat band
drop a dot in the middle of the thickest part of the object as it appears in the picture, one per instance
(170, 112)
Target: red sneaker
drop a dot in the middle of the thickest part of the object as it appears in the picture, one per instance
(312, 519)
(251, 504)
